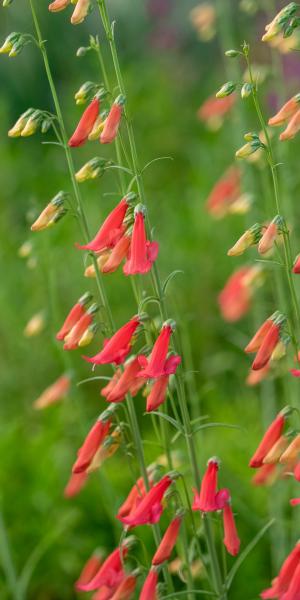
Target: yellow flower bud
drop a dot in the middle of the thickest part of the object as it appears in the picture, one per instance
(249, 238)
(18, 127)
(35, 325)
(51, 214)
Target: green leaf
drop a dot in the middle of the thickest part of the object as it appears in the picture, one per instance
(96, 378)
(232, 573)
(156, 160)
(169, 278)
(175, 424)
(225, 425)
(148, 300)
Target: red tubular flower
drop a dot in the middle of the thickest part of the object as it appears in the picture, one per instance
(235, 298)
(270, 438)
(269, 236)
(142, 252)
(225, 193)
(154, 366)
(261, 333)
(206, 499)
(297, 471)
(112, 121)
(85, 124)
(295, 501)
(111, 230)
(135, 496)
(126, 588)
(292, 128)
(73, 338)
(111, 571)
(268, 345)
(89, 570)
(75, 484)
(74, 315)
(105, 593)
(149, 510)
(265, 475)
(54, 392)
(90, 445)
(112, 382)
(282, 583)
(158, 391)
(116, 255)
(127, 382)
(231, 539)
(296, 267)
(293, 592)
(168, 542)
(149, 591)
(286, 112)
(255, 377)
(117, 347)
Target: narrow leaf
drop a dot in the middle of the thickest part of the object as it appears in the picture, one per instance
(175, 424)
(169, 278)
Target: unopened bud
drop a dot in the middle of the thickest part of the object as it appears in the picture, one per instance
(53, 212)
(232, 53)
(32, 124)
(18, 127)
(226, 89)
(248, 149)
(246, 90)
(85, 92)
(249, 238)
(82, 51)
(88, 335)
(92, 169)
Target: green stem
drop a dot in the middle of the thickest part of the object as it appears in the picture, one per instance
(7, 563)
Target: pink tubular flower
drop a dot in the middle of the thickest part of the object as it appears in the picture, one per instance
(224, 193)
(292, 128)
(75, 484)
(286, 112)
(117, 347)
(206, 499)
(295, 501)
(72, 339)
(267, 346)
(54, 392)
(149, 591)
(74, 315)
(231, 539)
(112, 121)
(111, 230)
(150, 508)
(235, 298)
(281, 584)
(297, 471)
(158, 391)
(111, 572)
(265, 475)
(168, 541)
(270, 438)
(269, 236)
(58, 5)
(90, 445)
(128, 382)
(89, 570)
(135, 496)
(155, 365)
(142, 252)
(261, 333)
(85, 124)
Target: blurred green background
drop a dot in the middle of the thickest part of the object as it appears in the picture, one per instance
(169, 72)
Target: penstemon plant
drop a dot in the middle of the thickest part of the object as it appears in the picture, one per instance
(124, 240)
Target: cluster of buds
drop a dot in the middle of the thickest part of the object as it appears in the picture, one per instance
(93, 124)
(29, 122)
(253, 143)
(94, 168)
(14, 44)
(81, 10)
(235, 298)
(52, 213)
(149, 508)
(284, 22)
(258, 235)
(268, 343)
(288, 115)
(214, 110)
(78, 329)
(226, 196)
(287, 583)
(122, 236)
(209, 499)
(278, 454)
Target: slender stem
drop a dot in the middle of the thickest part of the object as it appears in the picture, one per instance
(7, 563)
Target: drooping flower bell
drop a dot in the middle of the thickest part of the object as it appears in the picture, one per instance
(86, 124)
(270, 438)
(205, 501)
(112, 122)
(149, 589)
(142, 253)
(231, 539)
(168, 540)
(249, 238)
(91, 444)
(270, 234)
(55, 392)
(112, 229)
(90, 569)
(53, 212)
(150, 508)
(111, 571)
(155, 365)
(158, 391)
(117, 348)
(114, 257)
